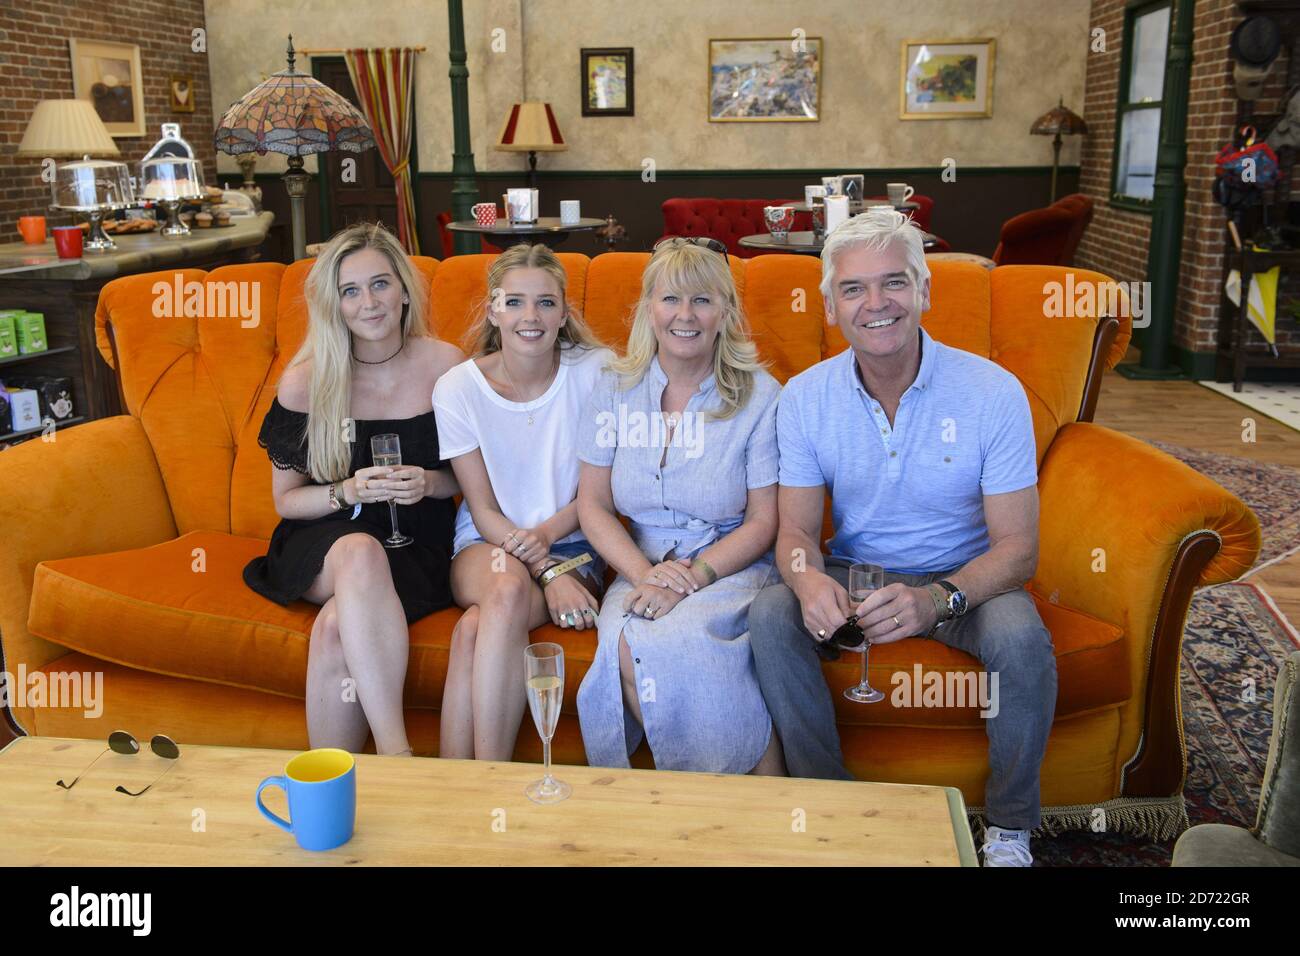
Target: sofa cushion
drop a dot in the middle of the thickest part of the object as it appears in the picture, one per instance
(181, 608)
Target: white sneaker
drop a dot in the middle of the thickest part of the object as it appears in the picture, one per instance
(1006, 847)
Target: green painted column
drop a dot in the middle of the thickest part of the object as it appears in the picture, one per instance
(464, 185)
(1167, 206)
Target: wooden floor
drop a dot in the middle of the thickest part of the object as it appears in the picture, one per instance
(1184, 413)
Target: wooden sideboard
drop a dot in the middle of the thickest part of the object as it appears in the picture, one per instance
(66, 292)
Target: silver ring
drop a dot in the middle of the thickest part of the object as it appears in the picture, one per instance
(649, 611)
(589, 612)
(822, 633)
(568, 618)
(897, 622)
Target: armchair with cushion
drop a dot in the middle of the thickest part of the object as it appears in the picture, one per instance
(1046, 236)
(125, 557)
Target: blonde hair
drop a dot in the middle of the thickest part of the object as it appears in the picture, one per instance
(686, 267)
(328, 344)
(484, 338)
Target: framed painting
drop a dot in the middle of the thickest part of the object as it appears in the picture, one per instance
(946, 79)
(765, 80)
(181, 94)
(108, 75)
(607, 82)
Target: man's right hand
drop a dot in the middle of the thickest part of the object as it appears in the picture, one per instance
(824, 603)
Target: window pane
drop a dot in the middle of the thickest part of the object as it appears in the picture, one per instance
(1146, 79)
(1139, 139)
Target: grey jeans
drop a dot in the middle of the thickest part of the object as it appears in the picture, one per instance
(1004, 633)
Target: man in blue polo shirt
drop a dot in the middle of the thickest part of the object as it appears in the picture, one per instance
(928, 453)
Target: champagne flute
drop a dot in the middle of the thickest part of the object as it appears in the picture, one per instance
(863, 579)
(545, 683)
(386, 452)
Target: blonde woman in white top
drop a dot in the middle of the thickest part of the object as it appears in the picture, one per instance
(508, 419)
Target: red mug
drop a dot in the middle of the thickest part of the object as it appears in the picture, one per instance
(67, 240)
(33, 229)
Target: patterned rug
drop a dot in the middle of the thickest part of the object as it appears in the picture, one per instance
(1233, 644)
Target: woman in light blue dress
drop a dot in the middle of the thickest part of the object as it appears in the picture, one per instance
(680, 437)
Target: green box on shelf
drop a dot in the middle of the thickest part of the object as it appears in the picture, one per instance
(30, 329)
(8, 336)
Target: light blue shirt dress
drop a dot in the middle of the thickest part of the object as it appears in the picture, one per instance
(698, 691)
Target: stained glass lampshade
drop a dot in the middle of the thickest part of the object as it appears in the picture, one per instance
(294, 114)
(1058, 121)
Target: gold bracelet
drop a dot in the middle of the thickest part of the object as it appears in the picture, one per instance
(708, 569)
(564, 567)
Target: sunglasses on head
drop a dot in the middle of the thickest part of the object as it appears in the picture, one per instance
(703, 241)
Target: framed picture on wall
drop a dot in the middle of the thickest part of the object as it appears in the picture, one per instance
(765, 80)
(946, 79)
(607, 88)
(181, 94)
(108, 75)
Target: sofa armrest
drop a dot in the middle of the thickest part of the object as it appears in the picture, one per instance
(1126, 534)
(94, 488)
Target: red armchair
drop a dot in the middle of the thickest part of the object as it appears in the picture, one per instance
(1047, 236)
(728, 220)
(448, 249)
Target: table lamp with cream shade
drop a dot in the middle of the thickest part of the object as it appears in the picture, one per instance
(531, 128)
(61, 128)
(294, 114)
(1055, 122)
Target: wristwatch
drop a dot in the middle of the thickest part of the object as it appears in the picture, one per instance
(956, 599)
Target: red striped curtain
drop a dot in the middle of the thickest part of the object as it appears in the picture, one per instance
(385, 85)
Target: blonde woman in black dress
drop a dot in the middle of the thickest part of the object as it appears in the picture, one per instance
(367, 367)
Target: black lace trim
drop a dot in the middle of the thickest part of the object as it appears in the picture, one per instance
(284, 436)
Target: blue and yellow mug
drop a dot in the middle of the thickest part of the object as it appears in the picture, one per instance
(322, 789)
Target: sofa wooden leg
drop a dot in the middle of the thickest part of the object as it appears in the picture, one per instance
(1160, 766)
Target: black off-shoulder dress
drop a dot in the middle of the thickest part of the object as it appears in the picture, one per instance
(421, 570)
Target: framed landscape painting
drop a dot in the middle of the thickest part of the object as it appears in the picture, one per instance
(765, 80)
(108, 75)
(947, 79)
(607, 88)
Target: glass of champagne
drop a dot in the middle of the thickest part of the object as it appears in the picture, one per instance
(386, 452)
(863, 579)
(544, 676)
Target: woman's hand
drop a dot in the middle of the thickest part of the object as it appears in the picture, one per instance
(368, 485)
(675, 575)
(408, 484)
(651, 602)
(567, 599)
(529, 545)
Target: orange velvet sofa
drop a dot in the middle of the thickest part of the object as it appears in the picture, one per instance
(125, 538)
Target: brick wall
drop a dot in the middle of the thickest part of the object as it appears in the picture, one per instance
(1117, 241)
(35, 65)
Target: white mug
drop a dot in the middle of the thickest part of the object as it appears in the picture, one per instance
(899, 193)
(570, 211)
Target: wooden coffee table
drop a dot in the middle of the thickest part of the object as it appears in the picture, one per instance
(426, 811)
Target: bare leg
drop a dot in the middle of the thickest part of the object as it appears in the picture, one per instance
(372, 631)
(510, 605)
(334, 715)
(456, 736)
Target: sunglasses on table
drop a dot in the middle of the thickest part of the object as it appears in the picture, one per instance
(121, 742)
(704, 242)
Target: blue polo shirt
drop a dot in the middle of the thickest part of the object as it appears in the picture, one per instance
(909, 496)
